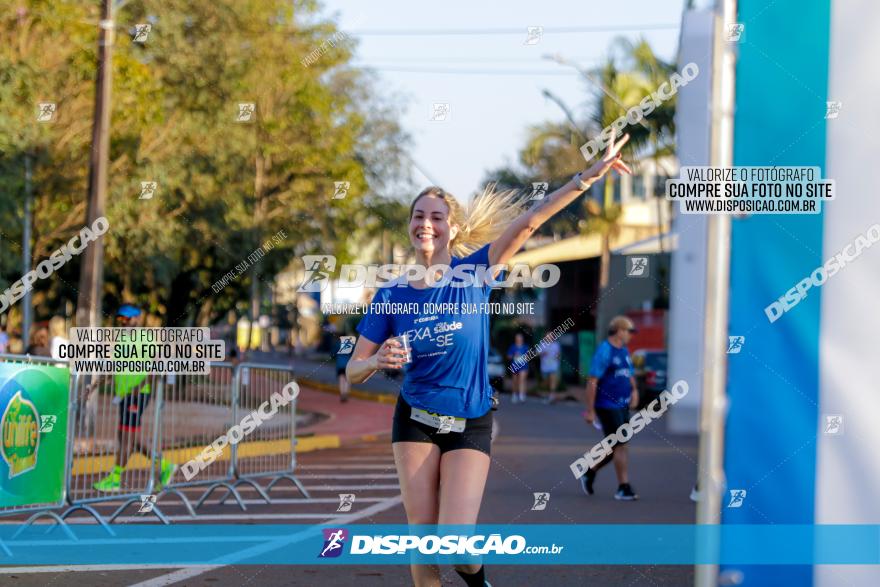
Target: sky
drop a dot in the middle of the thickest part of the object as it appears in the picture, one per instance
(492, 82)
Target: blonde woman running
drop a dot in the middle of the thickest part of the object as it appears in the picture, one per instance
(443, 461)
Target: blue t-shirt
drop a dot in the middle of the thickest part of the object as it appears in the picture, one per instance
(517, 351)
(614, 368)
(450, 350)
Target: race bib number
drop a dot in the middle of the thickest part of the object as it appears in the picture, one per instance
(442, 423)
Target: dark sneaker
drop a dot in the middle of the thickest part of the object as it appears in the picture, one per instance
(591, 478)
(587, 480)
(625, 493)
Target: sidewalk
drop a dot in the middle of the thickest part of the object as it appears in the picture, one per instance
(353, 422)
(320, 368)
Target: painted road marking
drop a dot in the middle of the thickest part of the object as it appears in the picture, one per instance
(189, 573)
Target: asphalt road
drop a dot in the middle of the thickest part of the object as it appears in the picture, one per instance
(534, 447)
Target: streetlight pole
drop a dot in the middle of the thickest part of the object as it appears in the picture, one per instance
(27, 311)
(713, 410)
(589, 77)
(91, 277)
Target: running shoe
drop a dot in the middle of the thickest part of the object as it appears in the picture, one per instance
(625, 493)
(110, 483)
(166, 473)
(695, 494)
(587, 480)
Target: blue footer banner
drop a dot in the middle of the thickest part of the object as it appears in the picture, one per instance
(532, 544)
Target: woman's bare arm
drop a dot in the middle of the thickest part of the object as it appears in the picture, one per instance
(519, 231)
(368, 357)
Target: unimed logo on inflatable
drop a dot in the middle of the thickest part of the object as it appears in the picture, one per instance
(20, 429)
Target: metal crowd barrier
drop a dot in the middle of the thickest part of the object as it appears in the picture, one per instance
(114, 429)
(199, 410)
(271, 448)
(179, 419)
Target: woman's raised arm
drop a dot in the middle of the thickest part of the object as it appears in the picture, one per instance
(519, 231)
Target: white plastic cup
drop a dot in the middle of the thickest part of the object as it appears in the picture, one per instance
(404, 344)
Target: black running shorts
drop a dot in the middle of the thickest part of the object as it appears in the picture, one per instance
(612, 419)
(477, 431)
(131, 409)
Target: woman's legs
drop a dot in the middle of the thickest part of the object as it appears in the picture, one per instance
(463, 474)
(521, 378)
(418, 469)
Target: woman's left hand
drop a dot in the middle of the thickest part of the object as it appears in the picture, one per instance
(612, 160)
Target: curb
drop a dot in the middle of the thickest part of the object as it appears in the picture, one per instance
(103, 464)
(381, 437)
(382, 398)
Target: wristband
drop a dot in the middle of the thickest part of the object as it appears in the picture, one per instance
(581, 184)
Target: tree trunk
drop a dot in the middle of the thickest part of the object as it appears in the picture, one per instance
(203, 316)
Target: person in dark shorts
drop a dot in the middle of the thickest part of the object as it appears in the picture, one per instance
(477, 433)
(442, 428)
(611, 392)
(133, 395)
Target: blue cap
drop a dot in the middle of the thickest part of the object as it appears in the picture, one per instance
(128, 311)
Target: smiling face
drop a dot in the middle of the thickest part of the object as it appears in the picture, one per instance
(429, 227)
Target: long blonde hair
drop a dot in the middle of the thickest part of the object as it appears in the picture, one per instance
(482, 220)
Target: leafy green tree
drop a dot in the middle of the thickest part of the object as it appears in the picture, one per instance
(224, 186)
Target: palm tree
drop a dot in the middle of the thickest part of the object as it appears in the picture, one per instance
(617, 92)
(659, 144)
(631, 72)
(623, 81)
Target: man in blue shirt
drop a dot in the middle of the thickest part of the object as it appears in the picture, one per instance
(611, 392)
